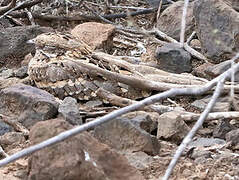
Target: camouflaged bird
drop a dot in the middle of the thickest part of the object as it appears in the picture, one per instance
(59, 67)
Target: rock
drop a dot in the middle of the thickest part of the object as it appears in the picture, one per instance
(6, 73)
(217, 28)
(27, 104)
(197, 153)
(173, 59)
(201, 71)
(222, 105)
(80, 157)
(14, 46)
(144, 120)
(155, 3)
(21, 72)
(233, 138)
(122, 135)
(70, 111)
(195, 44)
(96, 35)
(12, 139)
(4, 83)
(170, 20)
(220, 68)
(206, 142)
(139, 160)
(222, 129)
(172, 127)
(4, 128)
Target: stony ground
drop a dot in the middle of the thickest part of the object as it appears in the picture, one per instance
(149, 140)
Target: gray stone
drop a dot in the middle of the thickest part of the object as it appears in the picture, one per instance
(201, 153)
(21, 72)
(27, 104)
(217, 28)
(206, 142)
(6, 73)
(222, 105)
(122, 135)
(233, 138)
(155, 3)
(80, 157)
(69, 111)
(169, 21)
(172, 127)
(14, 46)
(144, 120)
(222, 129)
(173, 59)
(4, 128)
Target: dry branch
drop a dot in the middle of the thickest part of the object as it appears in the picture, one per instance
(191, 117)
(11, 5)
(122, 102)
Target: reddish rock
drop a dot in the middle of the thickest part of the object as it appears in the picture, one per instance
(170, 20)
(126, 136)
(96, 35)
(81, 157)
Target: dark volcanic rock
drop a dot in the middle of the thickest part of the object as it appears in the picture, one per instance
(80, 157)
(27, 104)
(173, 59)
(222, 129)
(217, 28)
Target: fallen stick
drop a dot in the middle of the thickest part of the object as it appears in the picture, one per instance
(122, 102)
(191, 117)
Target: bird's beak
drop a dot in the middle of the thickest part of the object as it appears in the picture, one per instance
(31, 41)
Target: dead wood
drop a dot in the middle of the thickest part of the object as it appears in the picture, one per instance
(79, 17)
(11, 5)
(192, 117)
(147, 72)
(123, 102)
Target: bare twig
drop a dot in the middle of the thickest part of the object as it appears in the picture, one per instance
(30, 17)
(11, 5)
(183, 23)
(191, 117)
(191, 37)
